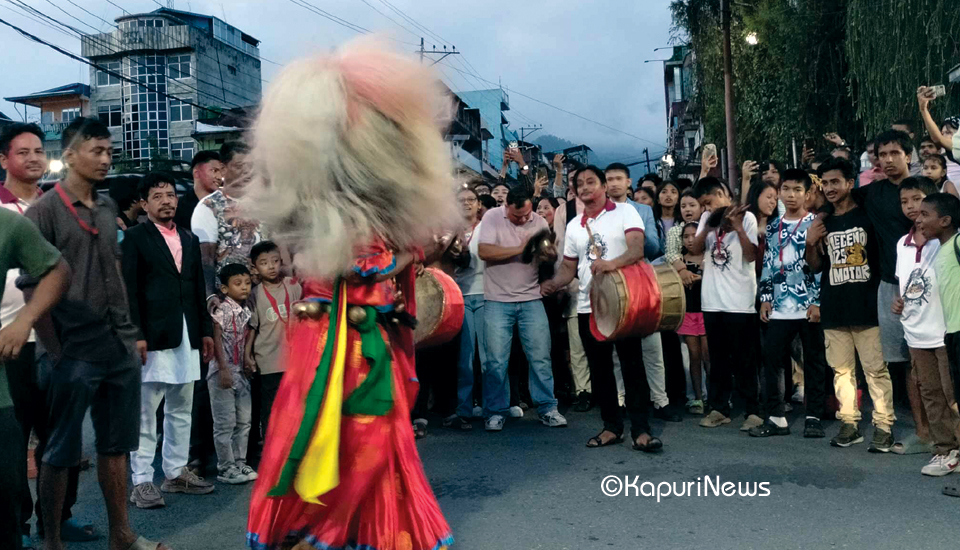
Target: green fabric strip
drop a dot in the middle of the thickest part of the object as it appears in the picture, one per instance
(374, 396)
(314, 400)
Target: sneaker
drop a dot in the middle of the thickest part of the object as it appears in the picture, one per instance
(666, 414)
(232, 476)
(752, 421)
(147, 496)
(714, 419)
(188, 483)
(478, 412)
(797, 395)
(553, 419)
(584, 402)
(787, 407)
(494, 423)
(248, 472)
(524, 406)
(848, 435)
(941, 465)
(695, 406)
(812, 428)
(516, 412)
(882, 441)
(768, 429)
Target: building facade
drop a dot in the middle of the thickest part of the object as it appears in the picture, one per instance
(184, 67)
(58, 107)
(684, 127)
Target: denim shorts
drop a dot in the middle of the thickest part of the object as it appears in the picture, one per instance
(111, 390)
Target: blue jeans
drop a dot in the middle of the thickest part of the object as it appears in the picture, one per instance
(499, 320)
(472, 339)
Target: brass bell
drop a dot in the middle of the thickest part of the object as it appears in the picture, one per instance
(306, 309)
(356, 315)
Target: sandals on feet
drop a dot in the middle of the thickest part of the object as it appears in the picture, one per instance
(652, 446)
(419, 428)
(144, 544)
(595, 441)
(73, 530)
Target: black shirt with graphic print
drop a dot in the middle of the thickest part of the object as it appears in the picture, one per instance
(881, 201)
(850, 276)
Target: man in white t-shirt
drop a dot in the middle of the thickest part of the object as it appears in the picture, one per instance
(727, 236)
(604, 238)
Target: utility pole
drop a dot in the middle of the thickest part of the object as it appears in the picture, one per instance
(646, 153)
(532, 129)
(728, 92)
(442, 53)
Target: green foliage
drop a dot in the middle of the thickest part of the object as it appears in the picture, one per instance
(894, 46)
(850, 66)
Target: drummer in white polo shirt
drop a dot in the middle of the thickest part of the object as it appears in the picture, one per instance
(604, 238)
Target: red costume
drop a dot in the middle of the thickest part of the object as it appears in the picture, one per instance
(381, 499)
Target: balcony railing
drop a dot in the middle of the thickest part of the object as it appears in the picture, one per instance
(54, 127)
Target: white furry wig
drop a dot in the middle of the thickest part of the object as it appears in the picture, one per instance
(347, 148)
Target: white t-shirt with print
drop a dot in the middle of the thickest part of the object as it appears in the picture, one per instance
(922, 317)
(609, 230)
(729, 282)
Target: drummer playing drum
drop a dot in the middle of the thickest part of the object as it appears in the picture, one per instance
(604, 238)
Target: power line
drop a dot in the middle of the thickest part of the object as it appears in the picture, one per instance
(37, 20)
(340, 21)
(107, 47)
(118, 7)
(182, 43)
(76, 57)
(416, 24)
(571, 113)
(392, 20)
(463, 61)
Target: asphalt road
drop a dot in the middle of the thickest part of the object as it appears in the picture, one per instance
(532, 487)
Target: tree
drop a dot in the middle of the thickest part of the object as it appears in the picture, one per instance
(894, 46)
(790, 86)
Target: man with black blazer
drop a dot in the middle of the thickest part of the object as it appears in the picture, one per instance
(164, 278)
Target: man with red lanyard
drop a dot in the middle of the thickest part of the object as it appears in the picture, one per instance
(23, 158)
(604, 238)
(163, 273)
(790, 305)
(92, 342)
(270, 312)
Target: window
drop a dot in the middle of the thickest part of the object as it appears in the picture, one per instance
(111, 115)
(182, 150)
(150, 23)
(144, 114)
(178, 66)
(68, 115)
(106, 79)
(180, 111)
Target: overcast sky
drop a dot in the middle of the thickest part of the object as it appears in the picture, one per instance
(569, 53)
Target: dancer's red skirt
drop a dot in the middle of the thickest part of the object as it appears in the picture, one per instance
(383, 501)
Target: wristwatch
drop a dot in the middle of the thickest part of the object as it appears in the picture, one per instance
(526, 167)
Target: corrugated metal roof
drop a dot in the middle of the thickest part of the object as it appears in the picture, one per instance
(68, 89)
